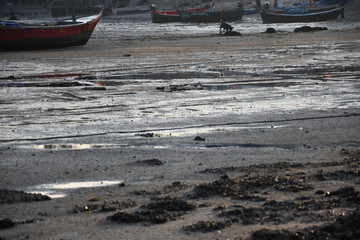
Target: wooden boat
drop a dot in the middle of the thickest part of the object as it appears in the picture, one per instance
(317, 16)
(212, 16)
(172, 15)
(71, 32)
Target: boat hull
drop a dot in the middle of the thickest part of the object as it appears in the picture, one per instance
(157, 17)
(172, 15)
(63, 34)
(309, 17)
(215, 16)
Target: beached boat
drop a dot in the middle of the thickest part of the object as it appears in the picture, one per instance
(204, 14)
(212, 16)
(172, 15)
(70, 32)
(315, 16)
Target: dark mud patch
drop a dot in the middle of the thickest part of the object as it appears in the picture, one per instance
(149, 162)
(13, 196)
(309, 29)
(171, 204)
(208, 226)
(290, 197)
(345, 227)
(94, 208)
(105, 207)
(156, 217)
(58, 84)
(274, 167)
(242, 187)
(220, 87)
(159, 211)
(6, 223)
(265, 234)
(320, 70)
(172, 188)
(305, 209)
(167, 75)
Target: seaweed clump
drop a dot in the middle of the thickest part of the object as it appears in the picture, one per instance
(13, 196)
(160, 211)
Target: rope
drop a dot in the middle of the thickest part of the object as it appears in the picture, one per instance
(112, 41)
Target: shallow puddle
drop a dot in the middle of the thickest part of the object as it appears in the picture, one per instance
(156, 133)
(70, 146)
(59, 190)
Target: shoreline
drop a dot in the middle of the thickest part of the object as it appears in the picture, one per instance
(205, 137)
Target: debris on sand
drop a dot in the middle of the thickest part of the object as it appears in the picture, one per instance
(13, 196)
(243, 186)
(309, 29)
(6, 223)
(345, 227)
(265, 234)
(156, 217)
(149, 162)
(146, 135)
(198, 138)
(105, 207)
(160, 211)
(208, 226)
(94, 208)
(171, 204)
(181, 87)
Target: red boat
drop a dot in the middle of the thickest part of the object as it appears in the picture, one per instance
(71, 32)
(172, 15)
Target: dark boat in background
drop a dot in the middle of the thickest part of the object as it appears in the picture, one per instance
(212, 16)
(71, 32)
(319, 16)
(203, 14)
(172, 15)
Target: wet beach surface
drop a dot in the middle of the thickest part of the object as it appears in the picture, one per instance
(183, 135)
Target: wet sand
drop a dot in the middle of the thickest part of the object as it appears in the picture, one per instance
(204, 137)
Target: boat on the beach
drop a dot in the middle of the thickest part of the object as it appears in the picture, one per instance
(212, 16)
(69, 32)
(313, 16)
(202, 14)
(172, 15)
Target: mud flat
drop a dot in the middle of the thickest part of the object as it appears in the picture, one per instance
(183, 137)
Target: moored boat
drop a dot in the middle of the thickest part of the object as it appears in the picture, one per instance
(71, 32)
(172, 15)
(212, 16)
(315, 16)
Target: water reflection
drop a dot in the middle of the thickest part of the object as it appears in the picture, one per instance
(157, 133)
(73, 146)
(59, 190)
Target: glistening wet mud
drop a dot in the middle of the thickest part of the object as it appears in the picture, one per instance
(261, 111)
(60, 190)
(248, 198)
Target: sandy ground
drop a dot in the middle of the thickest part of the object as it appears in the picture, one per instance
(211, 137)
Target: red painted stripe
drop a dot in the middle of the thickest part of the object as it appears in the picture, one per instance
(45, 32)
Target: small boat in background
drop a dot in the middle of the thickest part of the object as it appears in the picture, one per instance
(212, 16)
(199, 15)
(65, 33)
(172, 15)
(316, 16)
